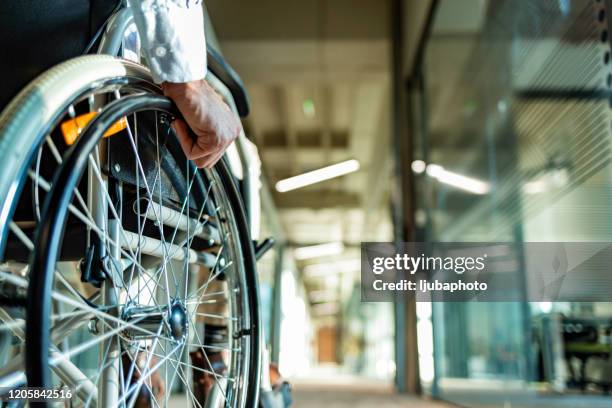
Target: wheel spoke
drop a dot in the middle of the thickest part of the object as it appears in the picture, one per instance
(203, 348)
(21, 235)
(88, 220)
(149, 372)
(141, 173)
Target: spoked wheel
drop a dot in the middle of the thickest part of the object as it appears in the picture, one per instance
(176, 310)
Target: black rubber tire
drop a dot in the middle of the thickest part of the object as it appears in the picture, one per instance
(248, 253)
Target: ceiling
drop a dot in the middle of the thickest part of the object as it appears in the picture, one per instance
(317, 73)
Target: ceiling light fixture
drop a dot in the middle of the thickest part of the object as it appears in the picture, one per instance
(457, 180)
(308, 107)
(324, 309)
(315, 251)
(319, 296)
(330, 268)
(418, 166)
(316, 176)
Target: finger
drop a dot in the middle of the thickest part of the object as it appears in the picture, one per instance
(187, 142)
(212, 161)
(199, 163)
(182, 134)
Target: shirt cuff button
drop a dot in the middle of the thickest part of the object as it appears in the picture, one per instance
(160, 52)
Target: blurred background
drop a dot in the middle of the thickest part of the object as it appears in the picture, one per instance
(426, 120)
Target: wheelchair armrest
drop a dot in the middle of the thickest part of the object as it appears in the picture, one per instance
(226, 74)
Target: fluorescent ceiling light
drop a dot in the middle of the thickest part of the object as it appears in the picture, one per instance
(316, 176)
(418, 166)
(457, 180)
(331, 268)
(323, 296)
(323, 309)
(535, 187)
(315, 251)
(549, 180)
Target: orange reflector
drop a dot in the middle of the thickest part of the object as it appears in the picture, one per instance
(72, 128)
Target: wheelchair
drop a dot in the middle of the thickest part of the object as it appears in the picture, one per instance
(127, 275)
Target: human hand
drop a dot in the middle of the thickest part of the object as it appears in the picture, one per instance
(213, 124)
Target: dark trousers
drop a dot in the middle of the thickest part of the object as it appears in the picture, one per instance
(38, 34)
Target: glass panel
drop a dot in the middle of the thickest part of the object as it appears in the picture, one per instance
(513, 114)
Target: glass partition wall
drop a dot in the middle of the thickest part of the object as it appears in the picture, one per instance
(511, 125)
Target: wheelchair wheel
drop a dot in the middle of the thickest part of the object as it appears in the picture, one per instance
(168, 305)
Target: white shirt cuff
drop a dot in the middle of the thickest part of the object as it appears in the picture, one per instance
(172, 38)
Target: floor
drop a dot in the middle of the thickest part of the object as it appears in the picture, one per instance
(361, 394)
(358, 396)
(324, 390)
(327, 398)
(488, 399)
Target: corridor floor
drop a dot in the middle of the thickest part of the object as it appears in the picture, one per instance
(313, 396)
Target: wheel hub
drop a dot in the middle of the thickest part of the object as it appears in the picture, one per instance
(177, 321)
(145, 321)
